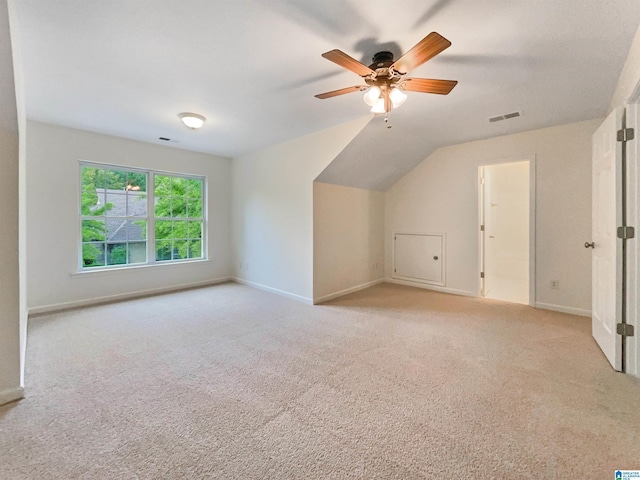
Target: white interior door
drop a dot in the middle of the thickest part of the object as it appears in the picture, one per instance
(506, 231)
(607, 251)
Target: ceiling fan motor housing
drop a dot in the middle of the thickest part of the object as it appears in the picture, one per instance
(381, 60)
(382, 78)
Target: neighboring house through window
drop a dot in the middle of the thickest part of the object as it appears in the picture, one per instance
(131, 216)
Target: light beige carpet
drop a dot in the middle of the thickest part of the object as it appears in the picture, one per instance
(392, 382)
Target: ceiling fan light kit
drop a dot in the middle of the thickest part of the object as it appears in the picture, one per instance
(192, 120)
(385, 78)
(371, 96)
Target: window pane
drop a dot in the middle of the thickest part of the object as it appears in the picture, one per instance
(137, 182)
(162, 185)
(93, 254)
(116, 230)
(136, 204)
(137, 252)
(116, 204)
(88, 201)
(116, 180)
(194, 209)
(116, 253)
(163, 250)
(163, 230)
(194, 188)
(195, 249)
(93, 230)
(178, 187)
(180, 229)
(163, 207)
(194, 230)
(180, 248)
(178, 207)
(101, 205)
(92, 203)
(93, 178)
(136, 230)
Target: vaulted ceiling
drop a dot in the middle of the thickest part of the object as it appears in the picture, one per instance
(252, 67)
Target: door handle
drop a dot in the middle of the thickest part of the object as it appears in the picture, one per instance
(589, 245)
(435, 257)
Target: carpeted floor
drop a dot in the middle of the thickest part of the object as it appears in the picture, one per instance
(392, 382)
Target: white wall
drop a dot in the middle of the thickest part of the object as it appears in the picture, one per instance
(10, 314)
(441, 196)
(348, 239)
(273, 209)
(53, 153)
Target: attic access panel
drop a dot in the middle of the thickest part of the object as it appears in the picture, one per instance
(419, 258)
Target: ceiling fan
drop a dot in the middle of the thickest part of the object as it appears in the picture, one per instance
(385, 77)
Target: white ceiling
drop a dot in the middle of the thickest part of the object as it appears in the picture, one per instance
(128, 67)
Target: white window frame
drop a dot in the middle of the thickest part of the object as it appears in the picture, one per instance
(150, 218)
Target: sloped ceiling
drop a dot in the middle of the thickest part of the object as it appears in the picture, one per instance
(127, 68)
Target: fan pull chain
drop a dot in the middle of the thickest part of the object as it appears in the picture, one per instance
(386, 120)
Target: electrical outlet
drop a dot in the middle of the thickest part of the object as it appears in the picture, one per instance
(555, 284)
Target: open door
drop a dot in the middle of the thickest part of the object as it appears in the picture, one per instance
(607, 248)
(505, 236)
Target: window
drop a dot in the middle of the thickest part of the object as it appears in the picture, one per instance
(130, 216)
(178, 217)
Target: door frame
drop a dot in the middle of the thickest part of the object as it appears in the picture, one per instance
(532, 220)
(632, 304)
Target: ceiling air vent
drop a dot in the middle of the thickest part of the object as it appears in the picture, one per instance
(165, 139)
(506, 116)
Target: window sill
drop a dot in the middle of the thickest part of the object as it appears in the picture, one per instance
(132, 268)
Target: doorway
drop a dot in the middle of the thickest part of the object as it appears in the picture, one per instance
(506, 231)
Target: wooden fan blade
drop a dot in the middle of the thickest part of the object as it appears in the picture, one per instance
(345, 61)
(427, 48)
(428, 85)
(342, 91)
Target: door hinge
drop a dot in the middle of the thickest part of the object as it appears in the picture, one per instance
(482, 228)
(626, 232)
(624, 329)
(481, 180)
(625, 134)
(481, 274)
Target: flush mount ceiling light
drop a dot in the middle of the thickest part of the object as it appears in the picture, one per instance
(192, 120)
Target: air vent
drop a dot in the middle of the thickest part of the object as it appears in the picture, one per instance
(506, 116)
(165, 139)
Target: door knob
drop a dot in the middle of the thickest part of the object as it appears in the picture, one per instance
(589, 245)
(435, 257)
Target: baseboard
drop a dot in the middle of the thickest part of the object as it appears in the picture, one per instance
(11, 395)
(561, 308)
(426, 286)
(122, 296)
(282, 293)
(346, 291)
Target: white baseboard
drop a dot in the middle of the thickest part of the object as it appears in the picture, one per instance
(283, 293)
(346, 291)
(561, 308)
(11, 395)
(122, 296)
(453, 291)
